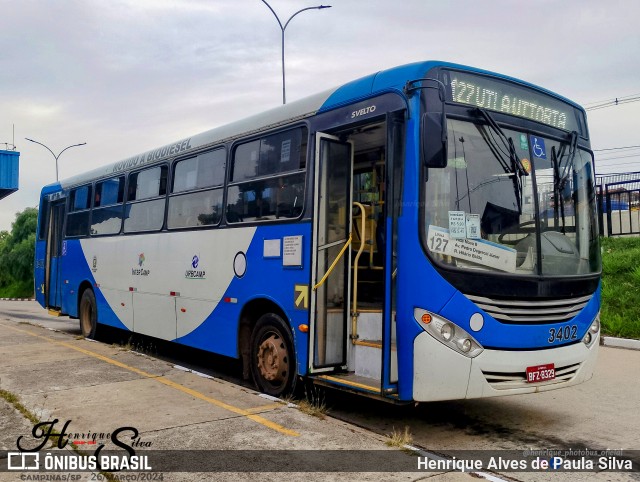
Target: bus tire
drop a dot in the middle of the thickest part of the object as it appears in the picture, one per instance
(272, 363)
(88, 314)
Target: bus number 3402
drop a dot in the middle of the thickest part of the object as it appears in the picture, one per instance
(563, 334)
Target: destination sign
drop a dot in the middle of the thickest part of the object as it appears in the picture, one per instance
(501, 96)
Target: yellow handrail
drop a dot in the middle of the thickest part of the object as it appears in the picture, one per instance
(333, 265)
(354, 306)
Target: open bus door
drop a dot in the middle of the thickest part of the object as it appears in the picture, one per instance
(357, 200)
(53, 256)
(332, 226)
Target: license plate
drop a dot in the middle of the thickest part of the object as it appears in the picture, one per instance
(541, 373)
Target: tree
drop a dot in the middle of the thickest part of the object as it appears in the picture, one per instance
(4, 276)
(17, 251)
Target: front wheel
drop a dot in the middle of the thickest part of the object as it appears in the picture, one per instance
(272, 356)
(88, 314)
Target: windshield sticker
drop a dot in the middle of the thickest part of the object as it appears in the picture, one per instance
(457, 224)
(526, 164)
(473, 226)
(538, 148)
(478, 251)
(524, 145)
(458, 163)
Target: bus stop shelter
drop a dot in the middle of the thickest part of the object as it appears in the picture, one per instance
(9, 161)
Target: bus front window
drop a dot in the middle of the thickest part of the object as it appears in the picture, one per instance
(480, 211)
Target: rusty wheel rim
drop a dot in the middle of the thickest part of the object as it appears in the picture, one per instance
(273, 361)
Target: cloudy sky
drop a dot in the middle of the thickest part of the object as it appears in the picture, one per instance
(125, 76)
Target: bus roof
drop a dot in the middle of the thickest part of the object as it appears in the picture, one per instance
(272, 118)
(389, 80)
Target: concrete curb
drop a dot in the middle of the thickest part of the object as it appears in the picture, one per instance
(17, 299)
(621, 343)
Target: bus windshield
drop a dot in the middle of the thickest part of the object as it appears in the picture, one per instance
(512, 202)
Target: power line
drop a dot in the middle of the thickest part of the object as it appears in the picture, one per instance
(618, 157)
(614, 102)
(609, 166)
(616, 148)
(610, 100)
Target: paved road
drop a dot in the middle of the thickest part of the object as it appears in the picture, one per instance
(600, 414)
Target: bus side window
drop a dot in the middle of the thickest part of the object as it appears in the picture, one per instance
(78, 217)
(43, 218)
(109, 192)
(193, 202)
(146, 200)
(106, 217)
(267, 178)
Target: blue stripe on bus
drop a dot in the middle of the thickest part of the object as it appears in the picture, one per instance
(78, 271)
(265, 278)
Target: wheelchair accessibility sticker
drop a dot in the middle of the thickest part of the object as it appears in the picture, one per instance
(538, 147)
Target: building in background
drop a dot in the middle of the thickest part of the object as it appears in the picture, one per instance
(9, 169)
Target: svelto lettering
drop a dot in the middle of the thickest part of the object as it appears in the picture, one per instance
(363, 111)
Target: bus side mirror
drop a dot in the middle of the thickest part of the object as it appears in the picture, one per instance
(434, 139)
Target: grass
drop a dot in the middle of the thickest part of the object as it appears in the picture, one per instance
(400, 439)
(620, 315)
(137, 346)
(314, 402)
(13, 400)
(17, 289)
(313, 408)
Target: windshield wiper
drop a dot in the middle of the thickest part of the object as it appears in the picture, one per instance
(516, 163)
(560, 178)
(514, 167)
(568, 167)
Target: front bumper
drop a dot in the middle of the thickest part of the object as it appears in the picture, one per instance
(443, 374)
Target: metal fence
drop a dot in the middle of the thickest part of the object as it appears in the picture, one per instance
(619, 204)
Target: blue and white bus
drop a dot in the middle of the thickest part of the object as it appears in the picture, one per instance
(427, 232)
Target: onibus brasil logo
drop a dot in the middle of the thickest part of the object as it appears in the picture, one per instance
(30, 458)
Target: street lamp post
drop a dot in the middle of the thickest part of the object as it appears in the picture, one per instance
(282, 29)
(52, 153)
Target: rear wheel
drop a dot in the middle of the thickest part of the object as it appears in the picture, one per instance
(88, 314)
(272, 356)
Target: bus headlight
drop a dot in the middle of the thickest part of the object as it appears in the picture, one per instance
(593, 331)
(465, 345)
(447, 333)
(595, 326)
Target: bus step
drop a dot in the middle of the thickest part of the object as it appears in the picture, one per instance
(350, 381)
(373, 344)
(54, 312)
(369, 343)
